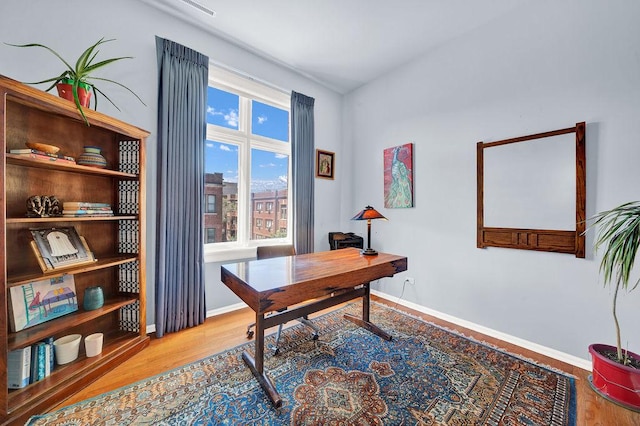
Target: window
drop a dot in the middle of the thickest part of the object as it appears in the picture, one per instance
(248, 147)
(210, 204)
(210, 235)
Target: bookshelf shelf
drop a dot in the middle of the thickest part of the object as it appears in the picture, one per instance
(117, 242)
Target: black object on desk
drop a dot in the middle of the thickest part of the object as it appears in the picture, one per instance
(339, 240)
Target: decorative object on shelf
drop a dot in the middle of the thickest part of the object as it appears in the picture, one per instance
(616, 371)
(93, 344)
(367, 214)
(43, 206)
(40, 301)
(59, 247)
(79, 78)
(92, 157)
(398, 176)
(325, 161)
(49, 149)
(93, 298)
(67, 348)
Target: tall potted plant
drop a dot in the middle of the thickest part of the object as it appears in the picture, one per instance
(77, 83)
(616, 371)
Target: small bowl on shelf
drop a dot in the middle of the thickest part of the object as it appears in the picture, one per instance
(49, 149)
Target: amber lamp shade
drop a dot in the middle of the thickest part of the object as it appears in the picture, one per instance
(367, 214)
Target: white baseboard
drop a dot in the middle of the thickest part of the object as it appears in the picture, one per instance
(543, 350)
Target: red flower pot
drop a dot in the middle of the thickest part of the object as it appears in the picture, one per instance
(614, 381)
(65, 90)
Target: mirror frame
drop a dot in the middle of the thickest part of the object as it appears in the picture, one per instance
(560, 241)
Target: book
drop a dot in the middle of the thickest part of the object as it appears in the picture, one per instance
(19, 367)
(33, 366)
(78, 205)
(88, 211)
(23, 151)
(47, 157)
(52, 353)
(41, 368)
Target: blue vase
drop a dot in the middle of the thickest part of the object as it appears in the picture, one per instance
(93, 298)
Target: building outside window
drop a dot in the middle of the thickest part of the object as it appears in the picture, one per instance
(248, 147)
(210, 235)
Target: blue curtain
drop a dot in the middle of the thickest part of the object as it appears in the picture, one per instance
(182, 102)
(302, 132)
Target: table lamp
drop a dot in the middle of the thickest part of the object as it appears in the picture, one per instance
(367, 214)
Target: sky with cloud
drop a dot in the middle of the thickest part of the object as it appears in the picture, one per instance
(269, 170)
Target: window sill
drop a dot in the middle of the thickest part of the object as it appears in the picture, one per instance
(218, 255)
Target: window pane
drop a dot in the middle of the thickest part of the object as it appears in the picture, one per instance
(222, 108)
(269, 178)
(269, 121)
(221, 182)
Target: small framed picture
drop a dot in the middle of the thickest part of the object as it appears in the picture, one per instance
(325, 162)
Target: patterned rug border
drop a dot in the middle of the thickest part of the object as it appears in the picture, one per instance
(491, 346)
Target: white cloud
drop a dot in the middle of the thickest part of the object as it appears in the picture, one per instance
(224, 148)
(281, 155)
(262, 119)
(268, 165)
(283, 178)
(232, 118)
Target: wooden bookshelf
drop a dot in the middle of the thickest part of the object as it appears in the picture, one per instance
(117, 242)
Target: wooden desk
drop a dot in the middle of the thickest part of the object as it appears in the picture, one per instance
(329, 277)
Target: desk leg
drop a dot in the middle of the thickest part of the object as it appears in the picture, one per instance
(364, 322)
(257, 364)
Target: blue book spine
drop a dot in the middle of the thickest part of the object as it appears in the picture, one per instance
(42, 358)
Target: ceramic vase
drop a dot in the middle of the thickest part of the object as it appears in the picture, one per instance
(92, 157)
(93, 298)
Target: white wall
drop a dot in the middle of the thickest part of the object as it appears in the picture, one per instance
(544, 67)
(71, 26)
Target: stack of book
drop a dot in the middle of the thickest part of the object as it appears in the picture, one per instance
(86, 209)
(30, 364)
(41, 155)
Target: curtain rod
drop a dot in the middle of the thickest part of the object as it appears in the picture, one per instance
(250, 77)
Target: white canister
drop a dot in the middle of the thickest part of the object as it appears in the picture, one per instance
(93, 344)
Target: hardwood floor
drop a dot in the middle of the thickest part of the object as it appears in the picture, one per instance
(228, 330)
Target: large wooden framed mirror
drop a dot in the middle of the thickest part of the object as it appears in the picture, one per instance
(532, 192)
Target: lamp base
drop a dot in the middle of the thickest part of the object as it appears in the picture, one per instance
(369, 252)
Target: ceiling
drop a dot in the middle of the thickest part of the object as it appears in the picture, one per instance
(341, 44)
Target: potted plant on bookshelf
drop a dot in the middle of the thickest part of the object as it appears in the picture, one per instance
(616, 371)
(77, 83)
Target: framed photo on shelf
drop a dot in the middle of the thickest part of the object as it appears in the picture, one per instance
(59, 248)
(325, 161)
(39, 301)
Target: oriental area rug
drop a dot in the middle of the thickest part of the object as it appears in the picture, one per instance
(426, 375)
